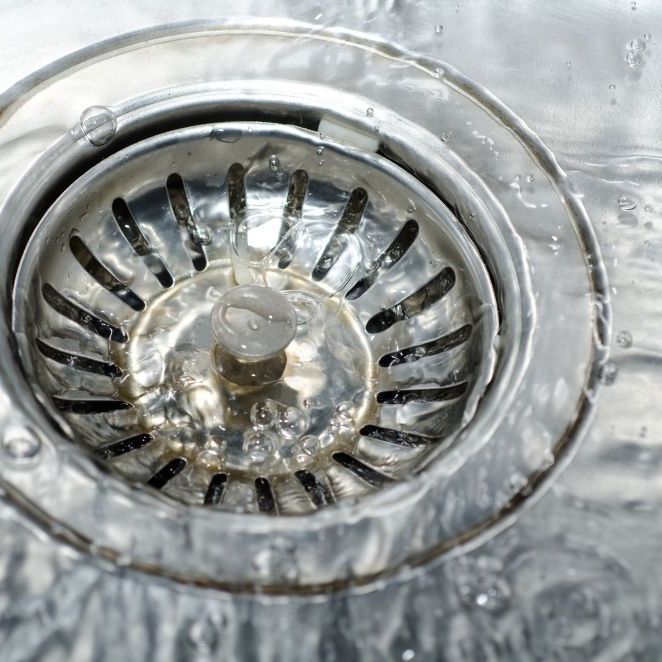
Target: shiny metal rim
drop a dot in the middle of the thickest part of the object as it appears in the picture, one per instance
(439, 176)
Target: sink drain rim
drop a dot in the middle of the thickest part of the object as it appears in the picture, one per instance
(592, 380)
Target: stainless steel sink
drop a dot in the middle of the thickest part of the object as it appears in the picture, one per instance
(453, 455)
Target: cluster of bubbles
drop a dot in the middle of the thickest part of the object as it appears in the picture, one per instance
(481, 582)
(281, 430)
(634, 50)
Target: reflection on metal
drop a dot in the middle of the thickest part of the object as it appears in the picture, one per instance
(429, 410)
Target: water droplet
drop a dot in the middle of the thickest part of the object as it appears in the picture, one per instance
(311, 403)
(438, 29)
(649, 209)
(320, 150)
(291, 423)
(326, 438)
(181, 212)
(22, 446)
(370, 112)
(98, 124)
(633, 59)
(216, 444)
(408, 655)
(226, 135)
(209, 460)
(608, 373)
(320, 163)
(637, 45)
(480, 582)
(612, 88)
(648, 36)
(627, 203)
(305, 305)
(624, 339)
(258, 445)
(345, 411)
(274, 163)
(343, 418)
(203, 635)
(530, 179)
(253, 325)
(445, 136)
(264, 414)
(308, 446)
(201, 235)
(633, 5)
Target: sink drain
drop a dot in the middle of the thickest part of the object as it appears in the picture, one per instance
(396, 317)
(412, 363)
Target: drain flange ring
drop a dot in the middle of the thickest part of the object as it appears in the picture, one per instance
(439, 521)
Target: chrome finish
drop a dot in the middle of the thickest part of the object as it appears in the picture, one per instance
(537, 404)
(159, 380)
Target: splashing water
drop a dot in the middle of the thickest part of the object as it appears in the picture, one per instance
(545, 587)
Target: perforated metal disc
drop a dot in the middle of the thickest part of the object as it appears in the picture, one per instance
(126, 266)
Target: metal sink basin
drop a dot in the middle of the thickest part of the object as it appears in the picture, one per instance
(454, 453)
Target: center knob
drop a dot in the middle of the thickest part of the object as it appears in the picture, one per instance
(252, 326)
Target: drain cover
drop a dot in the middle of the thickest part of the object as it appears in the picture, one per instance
(396, 317)
(288, 313)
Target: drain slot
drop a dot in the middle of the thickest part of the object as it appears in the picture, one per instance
(363, 471)
(78, 362)
(236, 190)
(265, 497)
(133, 234)
(292, 213)
(348, 224)
(423, 298)
(216, 489)
(82, 317)
(164, 475)
(398, 247)
(102, 275)
(122, 447)
(403, 397)
(411, 354)
(91, 406)
(316, 490)
(296, 195)
(397, 437)
(189, 230)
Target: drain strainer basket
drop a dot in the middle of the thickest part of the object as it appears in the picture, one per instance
(396, 315)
